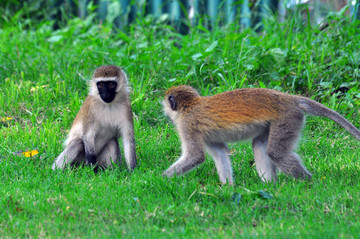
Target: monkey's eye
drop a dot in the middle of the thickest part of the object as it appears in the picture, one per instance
(172, 102)
(111, 85)
(100, 85)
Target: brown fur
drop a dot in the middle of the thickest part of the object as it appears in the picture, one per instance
(273, 120)
(107, 71)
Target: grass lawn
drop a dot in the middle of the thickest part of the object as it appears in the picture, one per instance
(43, 82)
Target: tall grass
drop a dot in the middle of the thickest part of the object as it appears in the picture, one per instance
(43, 82)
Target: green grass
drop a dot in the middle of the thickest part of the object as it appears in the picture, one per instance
(43, 82)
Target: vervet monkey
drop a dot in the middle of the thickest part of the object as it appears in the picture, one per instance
(272, 120)
(105, 116)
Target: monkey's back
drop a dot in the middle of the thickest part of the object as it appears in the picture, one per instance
(245, 106)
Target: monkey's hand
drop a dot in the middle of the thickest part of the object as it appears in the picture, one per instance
(71, 152)
(169, 173)
(91, 159)
(90, 153)
(55, 166)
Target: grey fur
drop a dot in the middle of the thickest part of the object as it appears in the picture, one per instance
(265, 167)
(314, 108)
(93, 138)
(220, 154)
(283, 136)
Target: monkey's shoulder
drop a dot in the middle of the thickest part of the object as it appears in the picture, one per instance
(85, 110)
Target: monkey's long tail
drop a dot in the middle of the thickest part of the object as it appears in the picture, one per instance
(314, 108)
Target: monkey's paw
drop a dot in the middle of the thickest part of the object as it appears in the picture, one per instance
(168, 173)
(56, 166)
(53, 167)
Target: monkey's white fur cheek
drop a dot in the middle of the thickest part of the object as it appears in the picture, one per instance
(93, 89)
(169, 112)
(120, 87)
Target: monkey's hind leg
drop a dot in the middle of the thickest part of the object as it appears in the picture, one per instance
(282, 139)
(72, 154)
(264, 165)
(110, 154)
(220, 154)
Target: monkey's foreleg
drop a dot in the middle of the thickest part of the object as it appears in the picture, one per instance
(110, 154)
(184, 164)
(129, 146)
(264, 166)
(220, 154)
(192, 155)
(69, 155)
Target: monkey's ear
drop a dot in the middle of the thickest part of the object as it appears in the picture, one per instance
(172, 102)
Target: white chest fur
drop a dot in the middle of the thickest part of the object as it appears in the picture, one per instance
(106, 121)
(113, 116)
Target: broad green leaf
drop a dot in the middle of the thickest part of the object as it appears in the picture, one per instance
(211, 47)
(236, 197)
(196, 56)
(54, 38)
(265, 194)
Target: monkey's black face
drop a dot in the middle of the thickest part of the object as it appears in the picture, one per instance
(172, 102)
(107, 90)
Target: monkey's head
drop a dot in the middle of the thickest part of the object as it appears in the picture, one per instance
(107, 82)
(179, 99)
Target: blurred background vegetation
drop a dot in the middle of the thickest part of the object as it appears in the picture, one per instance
(307, 47)
(178, 12)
